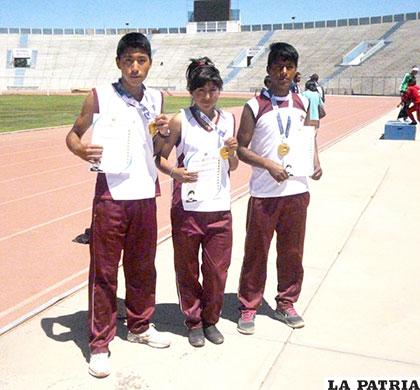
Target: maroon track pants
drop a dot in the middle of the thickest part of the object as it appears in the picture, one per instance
(128, 226)
(287, 217)
(201, 304)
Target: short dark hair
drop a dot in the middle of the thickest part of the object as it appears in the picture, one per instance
(201, 71)
(134, 40)
(314, 77)
(311, 86)
(282, 50)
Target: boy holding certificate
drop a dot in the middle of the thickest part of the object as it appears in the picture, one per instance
(200, 213)
(124, 206)
(271, 131)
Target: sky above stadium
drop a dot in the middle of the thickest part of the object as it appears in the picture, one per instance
(174, 13)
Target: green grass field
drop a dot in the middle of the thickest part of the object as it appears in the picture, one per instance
(19, 112)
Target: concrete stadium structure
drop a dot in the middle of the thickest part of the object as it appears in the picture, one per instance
(64, 60)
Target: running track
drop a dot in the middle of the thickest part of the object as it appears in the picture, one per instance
(45, 201)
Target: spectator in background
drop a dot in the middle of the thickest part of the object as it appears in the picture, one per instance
(267, 81)
(295, 86)
(316, 106)
(319, 87)
(407, 77)
(265, 88)
(413, 95)
(403, 89)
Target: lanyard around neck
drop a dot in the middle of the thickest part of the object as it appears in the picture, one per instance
(131, 101)
(221, 133)
(279, 121)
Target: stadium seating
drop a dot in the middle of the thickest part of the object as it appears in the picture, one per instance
(382, 73)
(320, 50)
(79, 62)
(174, 52)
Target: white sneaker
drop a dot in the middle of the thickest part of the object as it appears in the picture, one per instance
(150, 337)
(99, 365)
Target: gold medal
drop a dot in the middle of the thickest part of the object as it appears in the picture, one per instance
(152, 129)
(283, 149)
(224, 153)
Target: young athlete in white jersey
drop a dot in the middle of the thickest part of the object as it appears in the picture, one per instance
(200, 213)
(278, 201)
(124, 207)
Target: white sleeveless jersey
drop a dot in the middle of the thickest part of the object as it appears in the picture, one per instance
(138, 181)
(267, 138)
(196, 140)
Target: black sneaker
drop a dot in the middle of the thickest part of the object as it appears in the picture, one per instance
(290, 317)
(212, 334)
(413, 123)
(246, 322)
(196, 337)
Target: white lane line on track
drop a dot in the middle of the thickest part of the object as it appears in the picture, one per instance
(335, 140)
(5, 166)
(45, 192)
(57, 298)
(239, 192)
(41, 293)
(40, 173)
(34, 227)
(12, 145)
(342, 118)
(40, 308)
(60, 169)
(32, 150)
(38, 129)
(55, 286)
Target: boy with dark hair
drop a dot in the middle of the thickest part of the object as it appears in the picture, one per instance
(134, 41)
(124, 206)
(278, 201)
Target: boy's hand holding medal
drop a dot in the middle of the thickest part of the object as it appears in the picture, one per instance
(160, 126)
(230, 148)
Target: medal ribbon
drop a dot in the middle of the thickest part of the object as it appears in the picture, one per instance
(221, 133)
(129, 100)
(279, 121)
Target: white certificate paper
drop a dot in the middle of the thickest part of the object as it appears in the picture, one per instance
(116, 154)
(208, 185)
(300, 159)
